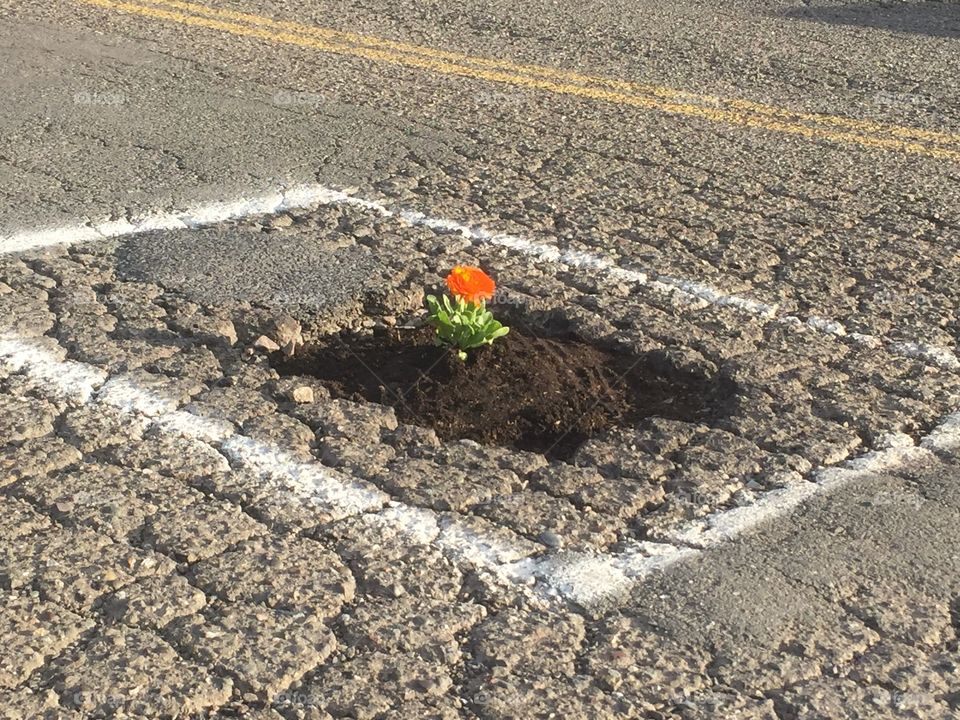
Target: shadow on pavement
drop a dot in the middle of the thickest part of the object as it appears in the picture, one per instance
(934, 18)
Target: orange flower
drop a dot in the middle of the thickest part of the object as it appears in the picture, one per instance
(470, 283)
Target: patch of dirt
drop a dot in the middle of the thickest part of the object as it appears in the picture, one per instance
(547, 395)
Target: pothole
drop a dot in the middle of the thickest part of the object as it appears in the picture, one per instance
(542, 394)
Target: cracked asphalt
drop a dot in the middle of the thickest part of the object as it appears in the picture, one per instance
(763, 194)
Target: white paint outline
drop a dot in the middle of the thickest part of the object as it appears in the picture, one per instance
(585, 578)
(308, 196)
(340, 495)
(588, 579)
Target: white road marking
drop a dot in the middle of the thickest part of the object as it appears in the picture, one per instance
(712, 296)
(827, 326)
(940, 356)
(339, 495)
(342, 496)
(300, 197)
(588, 579)
(945, 437)
(308, 196)
(541, 251)
(723, 526)
(65, 377)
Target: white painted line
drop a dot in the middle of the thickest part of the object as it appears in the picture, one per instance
(202, 215)
(342, 496)
(541, 251)
(312, 195)
(589, 579)
(31, 240)
(726, 525)
(940, 356)
(945, 437)
(65, 377)
(826, 326)
(599, 579)
(128, 396)
(712, 296)
(339, 495)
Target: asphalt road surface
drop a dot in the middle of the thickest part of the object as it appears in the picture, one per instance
(764, 195)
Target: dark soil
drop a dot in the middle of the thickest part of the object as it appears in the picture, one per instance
(547, 395)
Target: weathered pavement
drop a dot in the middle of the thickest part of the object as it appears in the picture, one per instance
(181, 538)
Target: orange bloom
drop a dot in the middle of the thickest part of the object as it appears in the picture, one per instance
(471, 283)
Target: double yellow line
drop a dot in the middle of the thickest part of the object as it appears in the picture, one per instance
(732, 111)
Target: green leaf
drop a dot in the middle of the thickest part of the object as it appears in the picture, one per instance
(477, 338)
(464, 324)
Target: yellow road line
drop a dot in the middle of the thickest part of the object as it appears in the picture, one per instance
(372, 49)
(370, 41)
(630, 87)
